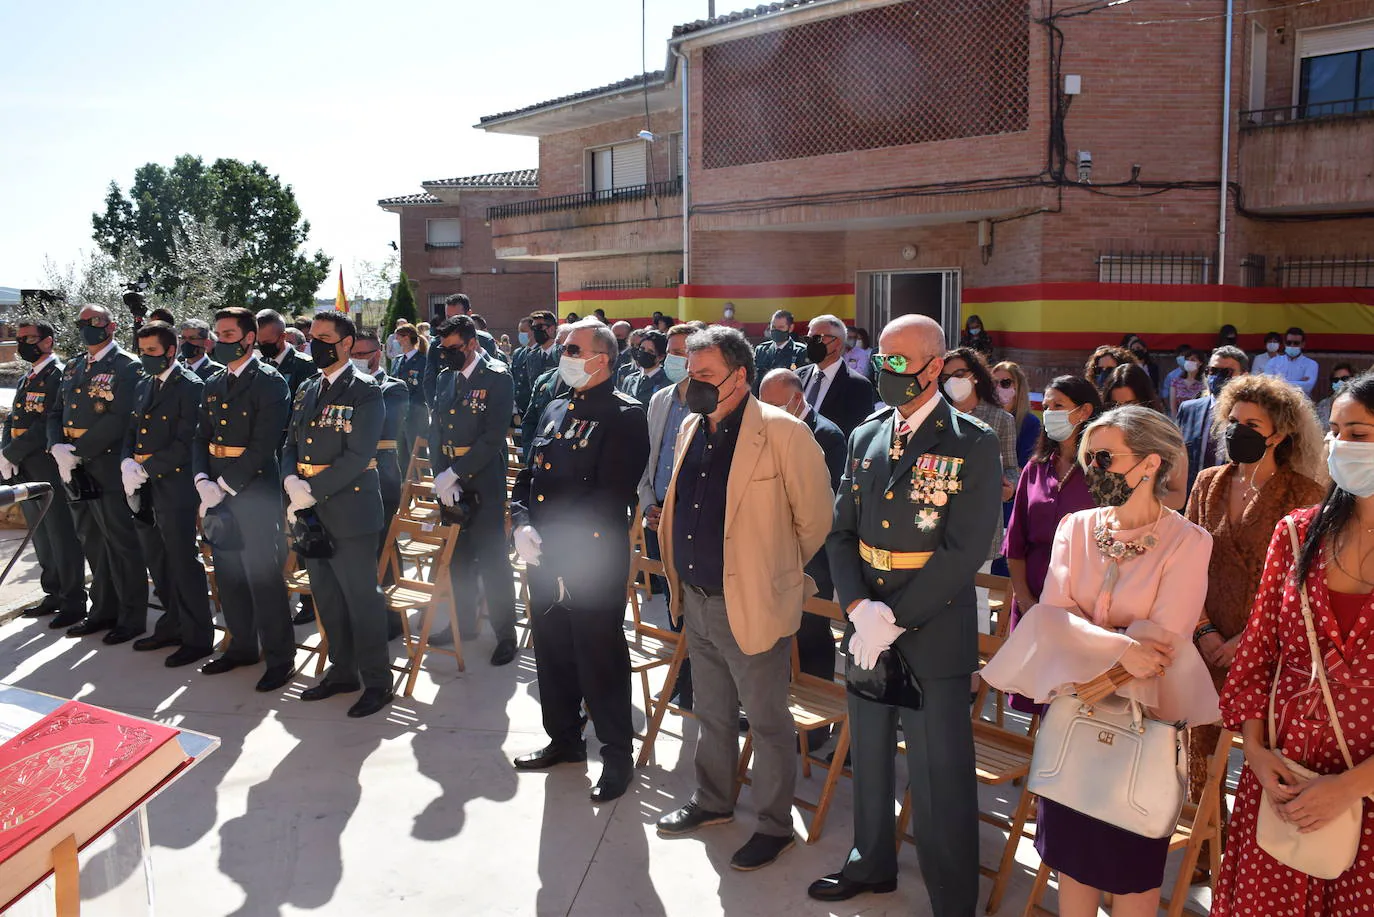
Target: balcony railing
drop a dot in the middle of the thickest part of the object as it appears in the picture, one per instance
(1345, 108)
(671, 188)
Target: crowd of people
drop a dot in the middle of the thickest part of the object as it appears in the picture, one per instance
(1143, 522)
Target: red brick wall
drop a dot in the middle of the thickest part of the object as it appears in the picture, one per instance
(563, 157)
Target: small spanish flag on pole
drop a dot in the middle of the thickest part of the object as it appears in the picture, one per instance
(340, 300)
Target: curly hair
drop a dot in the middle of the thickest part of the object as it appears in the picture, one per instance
(978, 367)
(1289, 411)
(1121, 355)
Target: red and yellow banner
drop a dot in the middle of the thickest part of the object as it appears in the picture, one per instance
(1081, 316)
(754, 304)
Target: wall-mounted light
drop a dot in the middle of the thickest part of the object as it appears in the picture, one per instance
(648, 136)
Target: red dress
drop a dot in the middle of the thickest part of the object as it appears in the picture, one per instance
(1251, 881)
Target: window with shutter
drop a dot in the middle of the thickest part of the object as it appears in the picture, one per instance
(1336, 70)
(443, 233)
(629, 165)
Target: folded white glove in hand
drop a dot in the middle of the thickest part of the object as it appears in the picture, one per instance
(297, 489)
(446, 487)
(131, 482)
(875, 623)
(65, 456)
(865, 657)
(295, 506)
(210, 495)
(528, 544)
(7, 468)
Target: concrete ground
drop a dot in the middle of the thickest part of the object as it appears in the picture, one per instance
(418, 810)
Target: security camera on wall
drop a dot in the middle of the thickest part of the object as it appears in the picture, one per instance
(1085, 167)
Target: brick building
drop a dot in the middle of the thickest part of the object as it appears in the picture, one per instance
(446, 248)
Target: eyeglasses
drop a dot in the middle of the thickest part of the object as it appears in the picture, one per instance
(824, 338)
(90, 323)
(1219, 372)
(1102, 459)
(577, 350)
(892, 362)
(1006, 383)
(957, 374)
(363, 354)
(1123, 404)
(1292, 343)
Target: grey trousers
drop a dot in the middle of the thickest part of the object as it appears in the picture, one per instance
(944, 794)
(723, 675)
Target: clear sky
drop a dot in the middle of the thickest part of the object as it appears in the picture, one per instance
(347, 101)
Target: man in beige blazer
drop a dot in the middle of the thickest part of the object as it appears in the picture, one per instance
(748, 504)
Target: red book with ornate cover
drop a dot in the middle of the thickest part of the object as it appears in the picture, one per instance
(76, 772)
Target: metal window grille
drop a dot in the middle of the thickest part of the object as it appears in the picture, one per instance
(1154, 267)
(585, 199)
(899, 74)
(1252, 271)
(1325, 271)
(638, 283)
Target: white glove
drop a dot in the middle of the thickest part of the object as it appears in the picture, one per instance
(296, 505)
(446, 487)
(864, 656)
(210, 495)
(7, 468)
(874, 622)
(297, 489)
(65, 456)
(528, 544)
(131, 482)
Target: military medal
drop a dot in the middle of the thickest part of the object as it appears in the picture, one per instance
(99, 407)
(927, 519)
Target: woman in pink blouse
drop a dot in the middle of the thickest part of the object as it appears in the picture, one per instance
(1126, 583)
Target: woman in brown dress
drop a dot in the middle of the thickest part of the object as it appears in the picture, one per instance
(1269, 432)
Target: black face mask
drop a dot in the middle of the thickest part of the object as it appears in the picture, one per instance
(323, 354)
(1109, 488)
(191, 351)
(454, 358)
(270, 351)
(778, 336)
(896, 389)
(1245, 444)
(155, 366)
(703, 397)
(622, 343)
(228, 352)
(30, 353)
(541, 335)
(91, 335)
(816, 351)
(645, 359)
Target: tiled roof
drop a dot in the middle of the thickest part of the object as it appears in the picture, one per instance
(408, 199)
(519, 178)
(633, 82)
(742, 15)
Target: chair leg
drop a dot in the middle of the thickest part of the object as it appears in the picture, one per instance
(902, 817)
(417, 650)
(803, 744)
(832, 777)
(659, 709)
(746, 755)
(1037, 893)
(457, 637)
(1008, 861)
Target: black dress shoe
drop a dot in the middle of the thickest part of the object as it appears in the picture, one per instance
(120, 635)
(86, 627)
(689, 818)
(373, 699)
(550, 755)
(66, 619)
(504, 652)
(223, 664)
(154, 642)
(835, 887)
(328, 689)
(275, 677)
(186, 655)
(304, 616)
(42, 609)
(615, 780)
(760, 850)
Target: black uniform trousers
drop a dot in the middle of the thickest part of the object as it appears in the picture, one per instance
(389, 475)
(582, 654)
(815, 641)
(944, 793)
(252, 590)
(105, 527)
(62, 568)
(481, 552)
(169, 547)
(351, 609)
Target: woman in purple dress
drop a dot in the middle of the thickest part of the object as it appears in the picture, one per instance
(1051, 487)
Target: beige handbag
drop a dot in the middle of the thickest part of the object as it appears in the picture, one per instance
(1330, 850)
(1111, 762)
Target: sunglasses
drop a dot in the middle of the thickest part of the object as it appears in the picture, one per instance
(89, 323)
(576, 350)
(1006, 383)
(1102, 459)
(1220, 373)
(363, 354)
(824, 338)
(894, 362)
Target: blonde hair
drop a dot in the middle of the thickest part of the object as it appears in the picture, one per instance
(1289, 411)
(1146, 432)
(1021, 407)
(423, 344)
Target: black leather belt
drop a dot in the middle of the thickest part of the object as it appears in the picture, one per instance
(706, 592)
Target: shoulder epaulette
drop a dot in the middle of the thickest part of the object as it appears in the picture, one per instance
(497, 366)
(629, 399)
(879, 415)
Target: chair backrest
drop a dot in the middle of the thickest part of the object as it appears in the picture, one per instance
(999, 599)
(418, 503)
(432, 578)
(824, 608)
(642, 567)
(419, 468)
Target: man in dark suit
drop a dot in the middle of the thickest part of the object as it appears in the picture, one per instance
(294, 366)
(195, 345)
(457, 304)
(1195, 415)
(779, 351)
(98, 391)
(366, 357)
(156, 471)
(242, 419)
(331, 454)
(649, 377)
(916, 509)
(472, 409)
(24, 457)
(837, 392)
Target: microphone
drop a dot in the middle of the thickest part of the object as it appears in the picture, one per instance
(18, 493)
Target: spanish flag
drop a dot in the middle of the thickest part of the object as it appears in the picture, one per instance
(340, 300)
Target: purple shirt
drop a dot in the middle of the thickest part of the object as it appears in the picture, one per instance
(1036, 509)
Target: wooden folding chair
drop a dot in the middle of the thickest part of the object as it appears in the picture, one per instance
(999, 608)
(419, 468)
(815, 703)
(298, 582)
(429, 590)
(651, 647)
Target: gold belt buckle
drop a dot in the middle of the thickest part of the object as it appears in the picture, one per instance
(882, 560)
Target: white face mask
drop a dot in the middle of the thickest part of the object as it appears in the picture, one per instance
(573, 371)
(361, 366)
(675, 367)
(1191, 366)
(1272, 347)
(1352, 466)
(958, 389)
(1058, 427)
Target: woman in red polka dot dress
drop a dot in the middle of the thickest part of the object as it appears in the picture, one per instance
(1336, 562)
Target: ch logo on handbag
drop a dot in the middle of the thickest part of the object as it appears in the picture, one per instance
(1106, 737)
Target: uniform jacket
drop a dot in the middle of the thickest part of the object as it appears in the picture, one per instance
(777, 514)
(295, 368)
(549, 386)
(164, 431)
(98, 399)
(578, 490)
(849, 399)
(339, 429)
(641, 387)
(396, 402)
(534, 364)
(769, 356)
(432, 367)
(896, 505)
(206, 369)
(25, 435)
(411, 371)
(474, 413)
(250, 411)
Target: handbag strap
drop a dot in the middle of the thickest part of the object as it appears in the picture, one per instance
(1317, 665)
